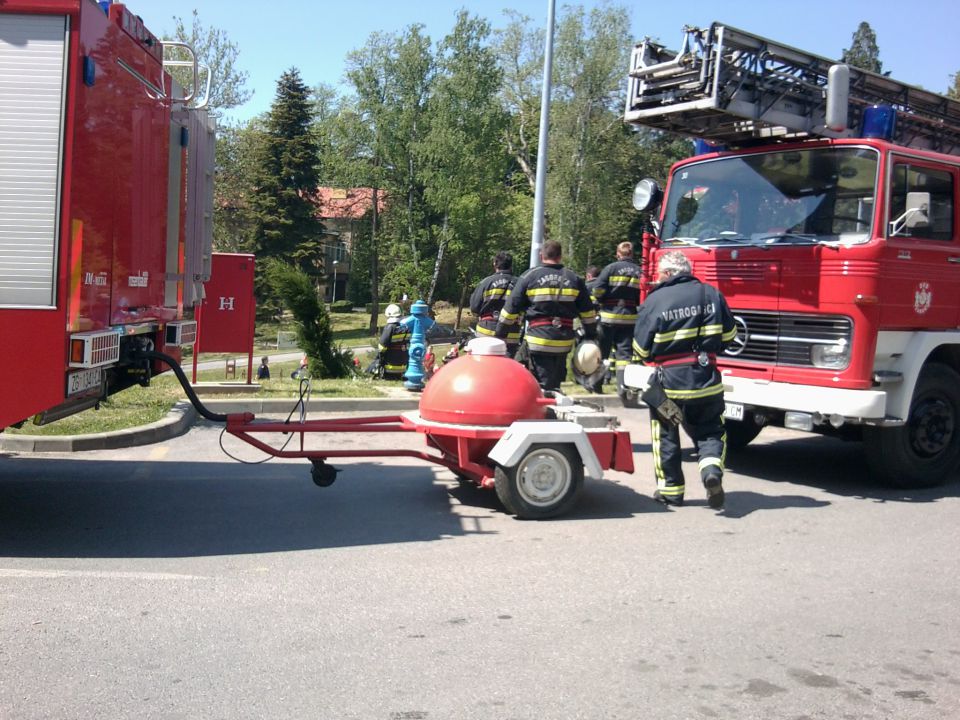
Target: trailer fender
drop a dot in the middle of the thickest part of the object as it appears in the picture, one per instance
(523, 433)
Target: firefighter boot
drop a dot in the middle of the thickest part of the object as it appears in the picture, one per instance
(714, 485)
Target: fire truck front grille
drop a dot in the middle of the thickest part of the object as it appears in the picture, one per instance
(785, 338)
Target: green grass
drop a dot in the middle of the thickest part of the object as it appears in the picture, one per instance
(140, 406)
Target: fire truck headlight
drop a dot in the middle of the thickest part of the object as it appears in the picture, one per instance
(833, 357)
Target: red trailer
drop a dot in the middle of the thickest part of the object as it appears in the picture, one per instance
(105, 198)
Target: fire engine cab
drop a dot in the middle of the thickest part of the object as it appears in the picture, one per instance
(823, 204)
(105, 204)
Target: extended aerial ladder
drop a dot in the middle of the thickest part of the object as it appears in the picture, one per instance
(731, 87)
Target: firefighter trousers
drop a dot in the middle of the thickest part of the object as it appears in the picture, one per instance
(618, 338)
(703, 422)
(550, 369)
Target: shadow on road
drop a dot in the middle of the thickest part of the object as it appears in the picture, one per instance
(834, 466)
(165, 509)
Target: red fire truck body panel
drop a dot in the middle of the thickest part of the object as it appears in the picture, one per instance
(116, 259)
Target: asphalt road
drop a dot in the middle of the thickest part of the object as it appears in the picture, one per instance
(168, 581)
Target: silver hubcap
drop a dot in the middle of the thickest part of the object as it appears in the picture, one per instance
(543, 477)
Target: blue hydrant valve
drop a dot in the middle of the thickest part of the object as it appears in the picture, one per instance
(419, 324)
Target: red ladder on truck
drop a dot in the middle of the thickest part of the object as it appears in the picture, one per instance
(732, 87)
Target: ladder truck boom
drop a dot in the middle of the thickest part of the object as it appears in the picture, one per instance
(733, 87)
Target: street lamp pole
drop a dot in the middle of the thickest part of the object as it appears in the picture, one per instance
(333, 294)
(536, 242)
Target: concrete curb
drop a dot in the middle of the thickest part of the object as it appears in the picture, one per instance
(177, 422)
(183, 415)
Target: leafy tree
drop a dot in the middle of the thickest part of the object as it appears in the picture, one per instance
(285, 180)
(314, 331)
(215, 50)
(863, 52)
(238, 147)
(954, 90)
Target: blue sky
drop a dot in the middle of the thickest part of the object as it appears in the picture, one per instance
(917, 40)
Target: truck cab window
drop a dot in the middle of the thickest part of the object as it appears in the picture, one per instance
(940, 184)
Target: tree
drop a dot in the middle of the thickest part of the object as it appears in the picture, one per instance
(285, 181)
(238, 147)
(954, 90)
(215, 50)
(314, 332)
(863, 52)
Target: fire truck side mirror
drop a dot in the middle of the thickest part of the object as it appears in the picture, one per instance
(838, 98)
(646, 195)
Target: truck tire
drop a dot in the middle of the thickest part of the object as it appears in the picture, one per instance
(926, 449)
(741, 433)
(546, 482)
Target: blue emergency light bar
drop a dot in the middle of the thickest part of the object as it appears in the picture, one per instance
(879, 122)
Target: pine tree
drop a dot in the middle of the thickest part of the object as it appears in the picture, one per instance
(284, 201)
(863, 52)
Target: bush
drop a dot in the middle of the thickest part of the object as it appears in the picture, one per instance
(341, 306)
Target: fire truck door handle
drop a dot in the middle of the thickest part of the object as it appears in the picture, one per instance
(953, 259)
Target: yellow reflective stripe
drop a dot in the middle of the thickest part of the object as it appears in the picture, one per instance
(544, 342)
(728, 336)
(508, 316)
(589, 314)
(687, 333)
(655, 445)
(495, 292)
(639, 351)
(544, 292)
(605, 315)
(394, 368)
(671, 490)
(624, 280)
(485, 331)
(708, 461)
(694, 394)
(381, 347)
(723, 454)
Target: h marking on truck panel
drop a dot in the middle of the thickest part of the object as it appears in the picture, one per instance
(226, 303)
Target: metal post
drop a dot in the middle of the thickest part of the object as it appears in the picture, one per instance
(333, 295)
(536, 242)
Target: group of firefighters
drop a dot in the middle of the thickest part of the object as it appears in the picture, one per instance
(680, 328)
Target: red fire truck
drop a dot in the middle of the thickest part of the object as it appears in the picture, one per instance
(825, 209)
(105, 205)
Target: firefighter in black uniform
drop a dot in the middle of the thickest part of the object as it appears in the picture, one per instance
(681, 326)
(393, 345)
(551, 297)
(617, 294)
(488, 299)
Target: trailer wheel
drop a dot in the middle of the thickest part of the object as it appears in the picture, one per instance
(741, 433)
(546, 482)
(926, 449)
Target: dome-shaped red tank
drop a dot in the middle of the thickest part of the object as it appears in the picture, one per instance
(480, 389)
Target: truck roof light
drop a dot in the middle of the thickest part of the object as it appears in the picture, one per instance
(879, 121)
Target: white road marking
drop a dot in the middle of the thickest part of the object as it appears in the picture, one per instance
(105, 574)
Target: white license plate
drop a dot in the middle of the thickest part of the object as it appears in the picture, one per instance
(84, 380)
(733, 411)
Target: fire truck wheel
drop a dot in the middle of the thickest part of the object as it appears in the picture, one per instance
(926, 449)
(545, 483)
(741, 433)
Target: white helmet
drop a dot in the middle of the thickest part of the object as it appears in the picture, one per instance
(587, 358)
(393, 312)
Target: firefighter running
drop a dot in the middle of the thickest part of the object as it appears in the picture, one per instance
(488, 299)
(681, 327)
(552, 297)
(617, 293)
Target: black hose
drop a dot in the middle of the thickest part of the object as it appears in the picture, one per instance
(178, 371)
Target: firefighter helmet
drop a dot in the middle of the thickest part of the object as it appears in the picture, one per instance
(393, 312)
(587, 358)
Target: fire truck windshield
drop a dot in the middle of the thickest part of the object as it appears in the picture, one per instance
(774, 198)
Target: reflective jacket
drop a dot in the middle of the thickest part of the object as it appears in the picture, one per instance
(487, 301)
(681, 327)
(393, 348)
(551, 297)
(617, 293)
